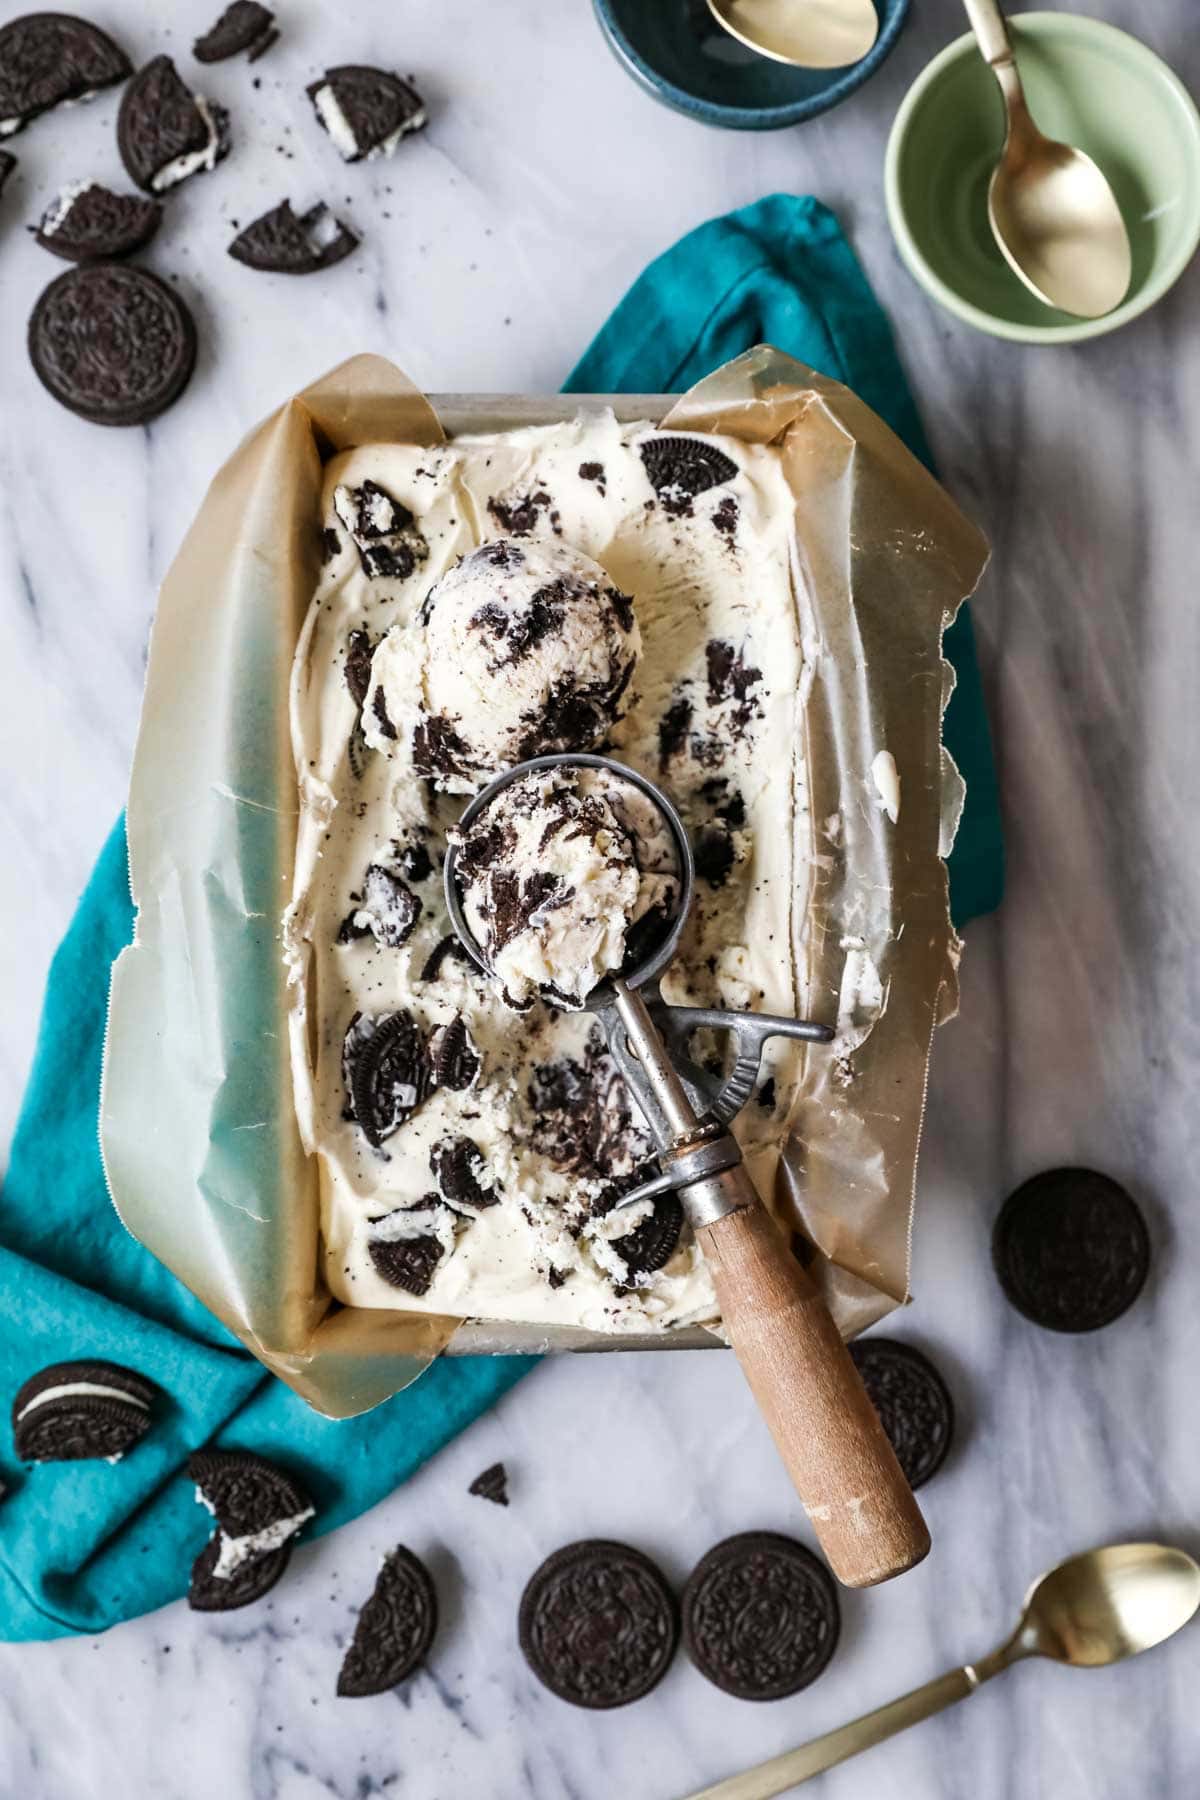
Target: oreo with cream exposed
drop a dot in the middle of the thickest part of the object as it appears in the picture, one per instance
(76, 1410)
(284, 242)
(165, 132)
(48, 59)
(364, 111)
(88, 223)
(259, 1508)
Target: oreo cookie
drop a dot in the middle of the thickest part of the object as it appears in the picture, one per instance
(245, 25)
(649, 1245)
(1071, 1249)
(389, 541)
(259, 1509)
(492, 1485)
(913, 1403)
(165, 133)
(386, 1073)
(598, 1624)
(76, 1410)
(394, 1631)
(89, 223)
(359, 650)
(48, 58)
(386, 910)
(679, 468)
(760, 1616)
(364, 111)
(112, 343)
(714, 855)
(457, 1163)
(448, 946)
(282, 242)
(8, 163)
(455, 1061)
(410, 1243)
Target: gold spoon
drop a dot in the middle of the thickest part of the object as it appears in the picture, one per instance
(1051, 210)
(1095, 1609)
(812, 34)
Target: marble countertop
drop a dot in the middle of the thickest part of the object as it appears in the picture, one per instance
(494, 245)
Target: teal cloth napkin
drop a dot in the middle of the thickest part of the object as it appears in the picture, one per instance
(83, 1545)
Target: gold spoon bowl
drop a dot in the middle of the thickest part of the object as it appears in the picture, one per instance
(810, 34)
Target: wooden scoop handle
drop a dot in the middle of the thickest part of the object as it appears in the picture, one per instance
(812, 1397)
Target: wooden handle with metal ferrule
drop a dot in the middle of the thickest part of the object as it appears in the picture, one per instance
(813, 1399)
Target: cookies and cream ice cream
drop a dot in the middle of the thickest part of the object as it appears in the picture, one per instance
(471, 1157)
(554, 875)
(519, 650)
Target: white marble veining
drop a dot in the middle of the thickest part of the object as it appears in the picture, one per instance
(494, 245)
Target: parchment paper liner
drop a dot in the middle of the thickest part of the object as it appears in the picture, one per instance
(197, 1125)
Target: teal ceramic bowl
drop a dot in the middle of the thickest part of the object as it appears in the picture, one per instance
(678, 52)
(1088, 84)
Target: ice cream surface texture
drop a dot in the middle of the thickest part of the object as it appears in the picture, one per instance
(470, 1156)
(518, 651)
(554, 875)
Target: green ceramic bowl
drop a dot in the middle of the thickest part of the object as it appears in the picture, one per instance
(1088, 84)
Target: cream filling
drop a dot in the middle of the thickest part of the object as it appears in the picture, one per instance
(192, 161)
(56, 213)
(70, 1390)
(341, 133)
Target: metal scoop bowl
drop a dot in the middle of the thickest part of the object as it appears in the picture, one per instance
(800, 1373)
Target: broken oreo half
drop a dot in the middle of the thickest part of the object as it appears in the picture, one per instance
(89, 223)
(388, 910)
(165, 133)
(245, 25)
(389, 541)
(259, 1509)
(413, 1241)
(283, 242)
(386, 1073)
(456, 1163)
(394, 1631)
(650, 1245)
(49, 58)
(75, 1410)
(365, 111)
(679, 468)
(455, 1061)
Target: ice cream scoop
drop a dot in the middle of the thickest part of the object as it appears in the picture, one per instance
(564, 875)
(520, 650)
(799, 1370)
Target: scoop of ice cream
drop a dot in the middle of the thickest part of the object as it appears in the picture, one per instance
(566, 876)
(518, 651)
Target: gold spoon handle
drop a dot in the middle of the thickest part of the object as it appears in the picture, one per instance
(987, 22)
(795, 1766)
